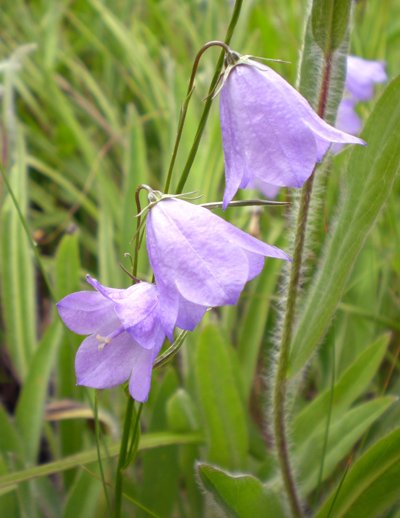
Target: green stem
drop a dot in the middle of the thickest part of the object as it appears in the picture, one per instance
(280, 382)
(185, 106)
(280, 385)
(122, 457)
(207, 104)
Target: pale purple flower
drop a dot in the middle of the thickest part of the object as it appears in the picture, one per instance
(199, 260)
(125, 335)
(361, 76)
(270, 133)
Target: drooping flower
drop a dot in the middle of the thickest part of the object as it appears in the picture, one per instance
(199, 260)
(125, 335)
(362, 75)
(270, 133)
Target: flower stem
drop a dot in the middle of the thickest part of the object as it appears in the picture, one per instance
(279, 393)
(207, 104)
(185, 106)
(122, 457)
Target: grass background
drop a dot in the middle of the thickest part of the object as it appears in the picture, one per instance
(90, 99)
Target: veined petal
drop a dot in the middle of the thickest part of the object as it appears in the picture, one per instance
(195, 219)
(140, 379)
(203, 269)
(85, 311)
(189, 314)
(276, 146)
(108, 366)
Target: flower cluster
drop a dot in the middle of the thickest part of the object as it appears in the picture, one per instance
(271, 136)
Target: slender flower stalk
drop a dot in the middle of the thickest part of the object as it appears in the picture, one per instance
(207, 105)
(185, 105)
(130, 403)
(280, 381)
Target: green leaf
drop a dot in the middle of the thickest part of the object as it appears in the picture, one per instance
(17, 275)
(251, 332)
(181, 412)
(225, 419)
(330, 20)
(147, 442)
(160, 468)
(323, 60)
(30, 407)
(372, 484)
(368, 182)
(82, 499)
(343, 434)
(353, 382)
(241, 496)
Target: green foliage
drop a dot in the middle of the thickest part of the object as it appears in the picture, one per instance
(220, 401)
(90, 97)
(370, 176)
(372, 484)
(241, 496)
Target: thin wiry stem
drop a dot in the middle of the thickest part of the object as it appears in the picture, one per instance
(185, 105)
(207, 104)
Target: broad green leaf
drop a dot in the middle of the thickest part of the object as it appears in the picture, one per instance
(83, 497)
(329, 21)
(343, 433)
(160, 469)
(181, 412)
(17, 275)
(323, 59)
(371, 486)
(370, 175)
(240, 496)
(353, 382)
(30, 407)
(224, 417)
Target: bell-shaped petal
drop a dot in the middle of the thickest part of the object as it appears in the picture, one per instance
(361, 76)
(199, 260)
(125, 335)
(347, 120)
(270, 133)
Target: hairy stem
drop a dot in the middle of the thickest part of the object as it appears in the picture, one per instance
(280, 385)
(280, 381)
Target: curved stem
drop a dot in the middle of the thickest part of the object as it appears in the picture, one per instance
(207, 104)
(185, 105)
(122, 457)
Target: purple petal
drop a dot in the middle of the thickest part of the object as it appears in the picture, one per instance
(347, 120)
(107, 367)
(262, 135)
(85, 311)
(202, 267)
(189, 314)
(361, 76)
(138, 312)
(140, 381)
